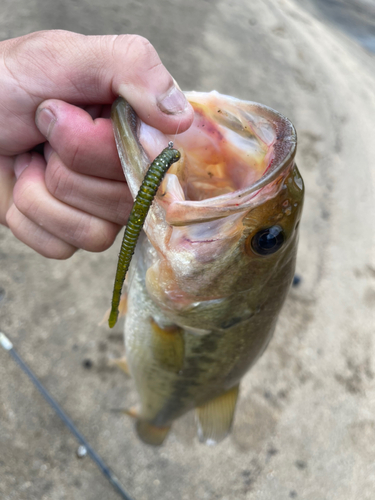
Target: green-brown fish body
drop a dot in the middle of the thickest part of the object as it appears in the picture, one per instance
(209, 279)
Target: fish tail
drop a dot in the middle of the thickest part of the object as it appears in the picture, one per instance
(151, 434)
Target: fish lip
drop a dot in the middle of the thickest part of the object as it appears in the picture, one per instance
(186, 212)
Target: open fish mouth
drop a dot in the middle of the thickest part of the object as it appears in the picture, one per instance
(231, 153)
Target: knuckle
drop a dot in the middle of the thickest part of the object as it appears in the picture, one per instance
(73, 156)
(58, 252)
(33, 48)
(58, 181)
(122, 208)
(141, 45)
(53, 248)
(68, 158)
(25, 197)
(140, 51)
(105, 237)
(95, 236)
(10, 217)
(37, 238)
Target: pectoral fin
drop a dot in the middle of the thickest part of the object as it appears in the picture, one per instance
(130, 412)
(150, 434)
(121, 363)
(168, 347)
(214, 419)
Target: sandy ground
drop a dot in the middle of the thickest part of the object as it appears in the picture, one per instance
(305, 424)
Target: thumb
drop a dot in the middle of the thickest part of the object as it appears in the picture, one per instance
(96, 69)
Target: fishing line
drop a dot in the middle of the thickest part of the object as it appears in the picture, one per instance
(106, 471)
(178, 128)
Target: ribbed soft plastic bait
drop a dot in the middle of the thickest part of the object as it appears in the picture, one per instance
(138, 214)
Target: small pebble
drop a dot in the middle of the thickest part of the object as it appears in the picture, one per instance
(296, 280)
(300, 464)
(81, 451)
(272, 451)
(87, 363)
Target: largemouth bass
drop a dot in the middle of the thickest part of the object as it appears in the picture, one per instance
(212, 271)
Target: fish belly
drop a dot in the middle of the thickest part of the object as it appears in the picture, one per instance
(176, 370)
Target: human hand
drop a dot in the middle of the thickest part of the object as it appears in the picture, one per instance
(59, 86)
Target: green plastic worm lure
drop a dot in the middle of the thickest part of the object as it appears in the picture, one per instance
(142, 204)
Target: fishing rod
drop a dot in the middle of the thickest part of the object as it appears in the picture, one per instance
(84, 445)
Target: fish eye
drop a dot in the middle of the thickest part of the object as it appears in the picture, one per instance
(268, 240)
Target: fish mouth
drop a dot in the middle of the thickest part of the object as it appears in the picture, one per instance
(231, 157)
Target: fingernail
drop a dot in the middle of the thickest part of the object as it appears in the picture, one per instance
(45, 121)
(22, 161)
(173, 101)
